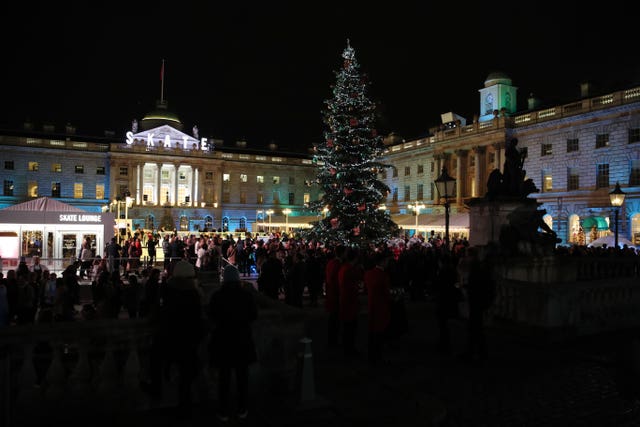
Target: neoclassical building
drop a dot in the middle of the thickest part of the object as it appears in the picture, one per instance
(159, 176)
(575, 155)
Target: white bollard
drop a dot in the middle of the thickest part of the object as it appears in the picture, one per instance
(307, 379)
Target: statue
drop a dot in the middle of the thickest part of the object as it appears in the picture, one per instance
(511, 183)
(195, 132)
(134, 126)
(513, 173)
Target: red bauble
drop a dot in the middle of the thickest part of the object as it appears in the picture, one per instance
(362, 207)
(353, 122)
(334, 222)
(332, 171)
(356, 231)
(347, 191)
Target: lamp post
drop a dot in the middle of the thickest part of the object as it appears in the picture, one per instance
(269, 212)
(416, 208)
(617, 199)
(445, 185)
(286, 213)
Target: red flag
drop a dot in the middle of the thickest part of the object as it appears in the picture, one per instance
(162, 71)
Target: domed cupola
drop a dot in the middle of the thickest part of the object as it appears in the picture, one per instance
(160, 116)
(497, 97)
(497, 78)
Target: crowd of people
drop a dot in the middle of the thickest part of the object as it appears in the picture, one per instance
(288, 270)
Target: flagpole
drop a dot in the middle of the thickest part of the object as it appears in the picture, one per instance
(162, 83)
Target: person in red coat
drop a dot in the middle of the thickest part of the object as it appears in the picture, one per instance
(349, 279)
(378, 285)
(331, 289)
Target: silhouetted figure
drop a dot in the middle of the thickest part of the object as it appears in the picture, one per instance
(232, 309)
(179, 329)
(447, 297)
(480, 294)
(271, 277)
(332, 294)
(378, 284)
(349, 279)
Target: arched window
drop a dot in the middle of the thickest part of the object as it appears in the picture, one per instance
(208, 222)
(225, 223)
(574, 229)
(184, 223)
(243, 223)
(635, 229)
(548, 219)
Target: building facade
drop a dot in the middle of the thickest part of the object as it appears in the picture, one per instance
(159, 177)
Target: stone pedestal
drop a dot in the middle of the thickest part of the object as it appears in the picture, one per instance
(486, 217)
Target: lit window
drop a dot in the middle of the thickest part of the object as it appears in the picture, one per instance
(260, 198)
(243, 177)
(34, 166)
(547, 150)
(276, 180)
(56, 167)
(77, 190)
(32, 189)
(547, 182)
(226, 177)
(99, 191)
(260, 179)
(306, 198)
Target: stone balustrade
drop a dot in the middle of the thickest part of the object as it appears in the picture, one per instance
(93, 368)
(568, 296)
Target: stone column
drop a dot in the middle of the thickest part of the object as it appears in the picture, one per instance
(499, 150)
(159, 184)
(196, 189)
(480, 170)
(176, 166)
(461, 175)
(192, 186)
(138, 183)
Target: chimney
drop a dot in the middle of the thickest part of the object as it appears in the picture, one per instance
(585, 89)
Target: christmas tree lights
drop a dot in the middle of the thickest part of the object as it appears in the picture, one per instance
(348, 165)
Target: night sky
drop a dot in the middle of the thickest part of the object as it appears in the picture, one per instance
(261, 73)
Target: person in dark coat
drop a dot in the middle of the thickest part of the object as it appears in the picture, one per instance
(271, 277)
(179, 328)
(232, 309)
(377, 282)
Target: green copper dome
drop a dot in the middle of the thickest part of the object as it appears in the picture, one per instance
(160, 116)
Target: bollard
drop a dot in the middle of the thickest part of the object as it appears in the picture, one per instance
(305, 369)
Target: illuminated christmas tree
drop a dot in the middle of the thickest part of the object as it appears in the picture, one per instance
(348, 165)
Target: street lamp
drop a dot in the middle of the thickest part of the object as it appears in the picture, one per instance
(269, 212)
(416, 208)
(617, 199)
(286, 213)
(445, 185)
